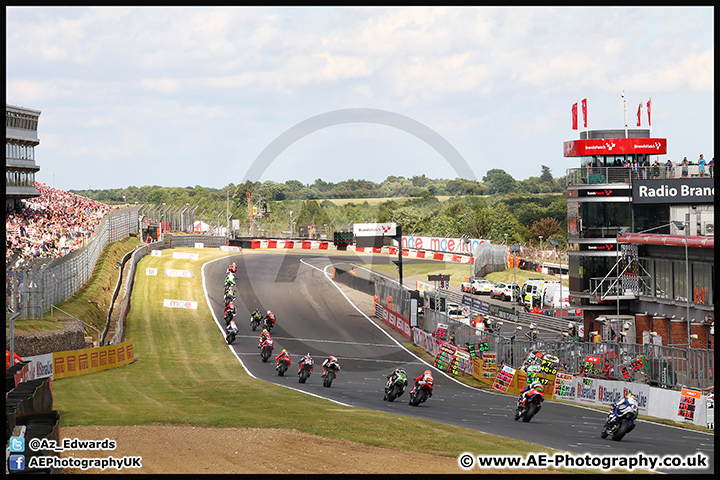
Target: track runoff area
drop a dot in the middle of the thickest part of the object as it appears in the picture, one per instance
(317, 316)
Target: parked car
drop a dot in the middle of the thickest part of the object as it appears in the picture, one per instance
(477, 285)
(504, 291)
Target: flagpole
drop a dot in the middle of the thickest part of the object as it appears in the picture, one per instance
(578, 115)
(625, 113)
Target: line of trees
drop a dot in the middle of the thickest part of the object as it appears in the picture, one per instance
(499, 205)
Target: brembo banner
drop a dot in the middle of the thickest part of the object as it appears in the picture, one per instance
(687, 191)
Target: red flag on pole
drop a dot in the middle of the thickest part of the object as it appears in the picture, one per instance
(574, 116)
(648, 107)
(584, 110)
(639, 111)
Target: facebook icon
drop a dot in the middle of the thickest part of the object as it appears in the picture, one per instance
(17, 462)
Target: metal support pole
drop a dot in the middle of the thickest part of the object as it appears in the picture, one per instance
(687, 278)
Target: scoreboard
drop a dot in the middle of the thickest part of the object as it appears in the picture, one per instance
(688, 401)
(343, 239)
(504, 378)
(629, 369)
(446, 360)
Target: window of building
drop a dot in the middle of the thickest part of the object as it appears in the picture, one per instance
(703, 283)
(663, 279)
(646, 217)
(646, 277)
(679, 283)
(605, 219)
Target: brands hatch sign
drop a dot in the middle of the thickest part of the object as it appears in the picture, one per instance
(686, 191)
(374, 229)
(615, 146)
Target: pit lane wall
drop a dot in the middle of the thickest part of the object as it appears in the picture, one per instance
(656, 402)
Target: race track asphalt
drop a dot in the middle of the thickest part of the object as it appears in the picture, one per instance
(315, 315)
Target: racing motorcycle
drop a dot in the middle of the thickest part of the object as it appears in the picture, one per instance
(266, 350)
(395, 387)
(304, 373)
(228, 317)
(528, 405)
(620, 421)
(268, 324)
(229, 297)
(329, 375)
(420, 395)
(231, 333)
(255, 320)
(282, 366)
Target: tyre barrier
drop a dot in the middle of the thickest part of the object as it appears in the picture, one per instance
(29, 414)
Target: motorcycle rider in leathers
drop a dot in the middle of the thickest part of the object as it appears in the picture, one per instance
(264, 337)
(330, 361)
(533, 385)
(283, 355)
(307, 359)
(423, 379)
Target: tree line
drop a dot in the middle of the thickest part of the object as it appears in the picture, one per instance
(497, 206)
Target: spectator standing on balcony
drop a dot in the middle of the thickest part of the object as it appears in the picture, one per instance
(656, 169)
(711, 166)
(701, 166)
(684, 167)
(668, 168)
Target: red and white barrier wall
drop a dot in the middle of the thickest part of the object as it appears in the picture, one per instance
(323, 245)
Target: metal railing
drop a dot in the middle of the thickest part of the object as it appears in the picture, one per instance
(605, 175)
(32, 289)
(668, 367)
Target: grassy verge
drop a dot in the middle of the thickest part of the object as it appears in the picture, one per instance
(184, 373)
(458, 272)
(91, 303)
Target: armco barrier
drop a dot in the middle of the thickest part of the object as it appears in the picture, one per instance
(323, 245)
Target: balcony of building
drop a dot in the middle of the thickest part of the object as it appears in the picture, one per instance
(593, 175)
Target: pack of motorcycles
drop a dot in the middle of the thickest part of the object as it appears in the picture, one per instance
(619, 422)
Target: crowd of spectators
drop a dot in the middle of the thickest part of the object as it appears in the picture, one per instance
(49, 226)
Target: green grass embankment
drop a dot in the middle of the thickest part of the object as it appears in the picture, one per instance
(184, 373)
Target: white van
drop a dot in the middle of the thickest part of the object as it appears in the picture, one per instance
(552, 299)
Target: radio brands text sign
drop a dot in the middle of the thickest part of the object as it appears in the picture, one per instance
(374, 229)
(689, 191)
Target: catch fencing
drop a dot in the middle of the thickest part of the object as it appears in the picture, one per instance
(33, 289)
(667, 367)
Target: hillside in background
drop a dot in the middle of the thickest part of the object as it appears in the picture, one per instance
(499, 205)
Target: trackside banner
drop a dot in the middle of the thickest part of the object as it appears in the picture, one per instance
(442, 244)
(89, 360)
(396, 321)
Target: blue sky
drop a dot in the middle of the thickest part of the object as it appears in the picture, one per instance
(191, 96)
